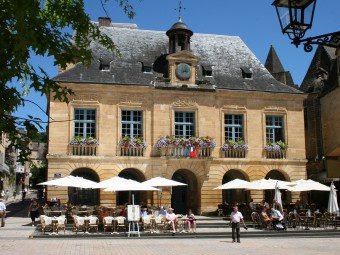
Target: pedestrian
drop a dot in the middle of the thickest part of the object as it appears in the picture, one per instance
(2, 212)
(14, 195)
(236, 218)
(33, 210)
(6, 195)
(23, 194)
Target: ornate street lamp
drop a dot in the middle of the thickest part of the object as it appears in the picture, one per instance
(296, 17)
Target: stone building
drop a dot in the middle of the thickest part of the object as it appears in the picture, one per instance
(321, 84)
(175, 83)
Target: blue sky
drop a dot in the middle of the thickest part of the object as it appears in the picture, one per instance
(255, 22)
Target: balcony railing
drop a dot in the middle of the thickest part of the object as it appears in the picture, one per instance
(276, 154)
(234, 153)
(184, 152)
(82, 150)
(131, 151)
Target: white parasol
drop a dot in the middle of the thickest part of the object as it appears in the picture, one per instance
(70, 181)
(307, 185)
(264, 184)
(235, 184)
(333, 206)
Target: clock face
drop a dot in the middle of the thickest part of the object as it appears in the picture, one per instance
(183, 71)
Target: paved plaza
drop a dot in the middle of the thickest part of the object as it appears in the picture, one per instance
(14, 239)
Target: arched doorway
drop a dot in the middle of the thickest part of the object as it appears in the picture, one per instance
(185, 197)
(124, 197)
(269, 194)
(85, 196)
(233, 196)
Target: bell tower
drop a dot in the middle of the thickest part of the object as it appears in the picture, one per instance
(179, 35)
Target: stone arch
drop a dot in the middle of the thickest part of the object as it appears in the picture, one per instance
(185, 197)
(123, 197)
(233, 196)
(277, 174)
(84, 196)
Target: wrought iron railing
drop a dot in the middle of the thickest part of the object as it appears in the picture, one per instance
(186, 152)
(82, 150)
(276, 154)
(234, 153)
(131, 151)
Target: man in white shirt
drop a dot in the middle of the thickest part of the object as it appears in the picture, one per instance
(2, 212)
(236, 218)
(277, 217)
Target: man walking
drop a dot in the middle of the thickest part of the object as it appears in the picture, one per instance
(236, 218)
(2, 212)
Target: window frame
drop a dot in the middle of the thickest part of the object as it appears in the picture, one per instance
(132, 123)
(234, 126)
(185, 124)
(85, 122)
(275, 127)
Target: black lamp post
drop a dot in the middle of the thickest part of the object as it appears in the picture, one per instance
(296, 17)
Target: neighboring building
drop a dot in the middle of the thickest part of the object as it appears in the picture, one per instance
(275, 67)
(4, 168)
(38, 153)
(322, 114)
(174, 83)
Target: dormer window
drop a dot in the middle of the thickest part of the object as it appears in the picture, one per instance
(247, 73)
(104, 65)
(207, 71)
(146, 68)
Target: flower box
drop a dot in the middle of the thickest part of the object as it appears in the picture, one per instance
(234, 149)
(132, 146)
(193, 147)
(277, 150)
(81, 146)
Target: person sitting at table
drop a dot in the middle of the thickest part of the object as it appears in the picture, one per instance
(265, 204)
(162, 211)
(172, 219)
(58, 205)
(191, 221)
(143, 211)
(123, 212)
(103, 213)
(265, 217)
(298, 205)
(252, 205)
(277, 217)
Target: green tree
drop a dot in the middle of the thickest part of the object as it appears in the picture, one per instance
(42, 28)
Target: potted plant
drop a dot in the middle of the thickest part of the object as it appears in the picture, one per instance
(239, 144)
(132, 142)
(82, 141)
(278, 146)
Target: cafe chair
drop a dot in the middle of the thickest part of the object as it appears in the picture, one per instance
(108, 223)
(160, 222)
(93, 223)
(121, 223)
(146, 223)
(61, 223)
(46, 223)
(79, 224)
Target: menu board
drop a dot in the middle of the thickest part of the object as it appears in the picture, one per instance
(133, 213)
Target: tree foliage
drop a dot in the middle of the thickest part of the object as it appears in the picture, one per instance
(43, 28)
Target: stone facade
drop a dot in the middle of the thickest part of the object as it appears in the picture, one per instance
(158, 102)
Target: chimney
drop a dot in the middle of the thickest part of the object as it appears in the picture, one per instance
(104, 22)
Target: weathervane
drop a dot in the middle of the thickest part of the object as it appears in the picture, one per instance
(180, 10)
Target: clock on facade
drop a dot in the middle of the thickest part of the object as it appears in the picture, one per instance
(183, 71)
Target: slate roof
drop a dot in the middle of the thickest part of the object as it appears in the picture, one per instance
(324, 58)
(226, 55)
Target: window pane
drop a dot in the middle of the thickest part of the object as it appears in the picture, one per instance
(233, 127)
(274, 128)
(85, 122)
(132, 123)
(184, 124)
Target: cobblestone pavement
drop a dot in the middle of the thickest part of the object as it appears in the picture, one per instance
(14, 239)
